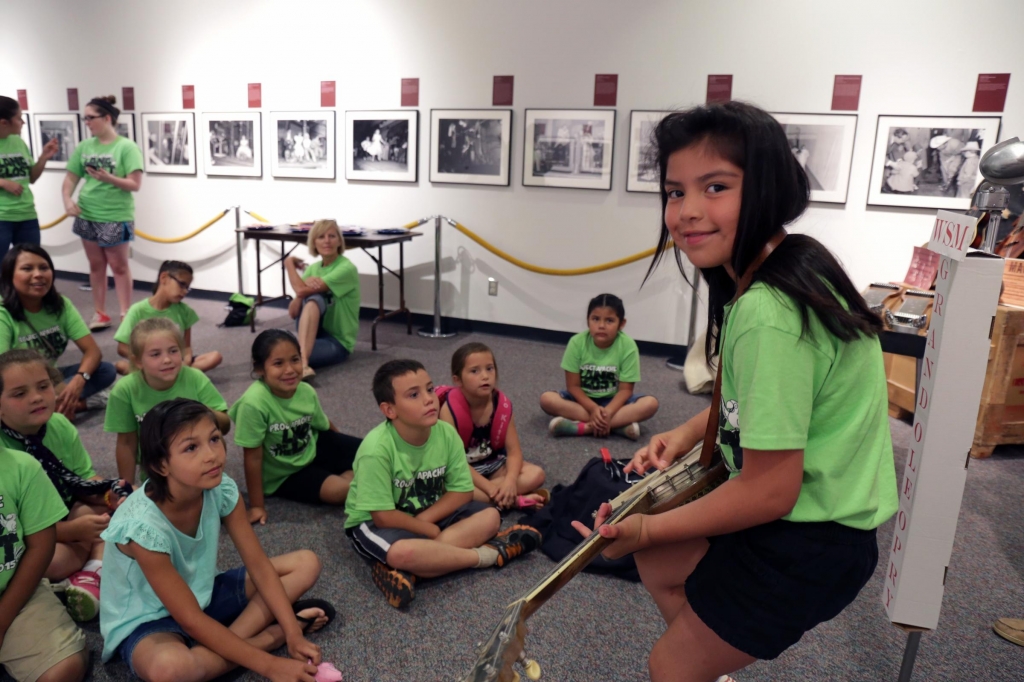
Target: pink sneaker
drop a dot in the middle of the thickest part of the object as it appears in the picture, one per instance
(325, 672)
(83, 595)
(99, 321)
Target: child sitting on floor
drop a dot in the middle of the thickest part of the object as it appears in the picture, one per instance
(291, 448)
(172, 285)
(38, 639)
(156, 347)
(165, 609)
(482, 415)
(31, 425)
(411, 508)
(601, 367)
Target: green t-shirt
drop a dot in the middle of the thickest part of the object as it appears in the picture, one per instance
(101, 202)
(15, 165)
(63, 441)
(391, 474)
(57, 330)
(342, 317)
(601, 369)
(131, 398)
(28, 504)
(179, 313)
(781, 391)
(287, 429)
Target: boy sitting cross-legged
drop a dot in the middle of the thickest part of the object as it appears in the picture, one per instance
(410, 507)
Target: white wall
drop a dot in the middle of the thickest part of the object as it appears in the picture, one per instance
(917, 58)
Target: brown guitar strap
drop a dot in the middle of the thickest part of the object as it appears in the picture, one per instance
(708, 448)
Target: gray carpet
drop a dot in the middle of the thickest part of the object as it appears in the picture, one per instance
(596, 628)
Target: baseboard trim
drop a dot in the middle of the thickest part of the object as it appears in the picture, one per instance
(420, 320)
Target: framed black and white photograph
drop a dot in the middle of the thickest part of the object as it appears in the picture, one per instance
(65, 128)
(929, 161)
(125, 127)
(26, 132)
(232, 144)
(643, 164)
(169, 143)
(470, 146)
(571, 148)
(303, 144)
(823, 146)
(382, 145)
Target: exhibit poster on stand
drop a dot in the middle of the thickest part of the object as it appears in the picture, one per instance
(952, 374)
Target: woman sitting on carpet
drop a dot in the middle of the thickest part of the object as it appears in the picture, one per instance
(326, 303)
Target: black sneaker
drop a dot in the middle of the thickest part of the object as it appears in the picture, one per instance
(396, 585)
(515, 541)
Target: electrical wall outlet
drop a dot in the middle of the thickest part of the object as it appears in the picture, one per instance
(492, 286)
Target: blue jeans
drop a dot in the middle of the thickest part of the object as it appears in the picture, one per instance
(18, 232)
(226, 603)
(327, 350)
(102, 377)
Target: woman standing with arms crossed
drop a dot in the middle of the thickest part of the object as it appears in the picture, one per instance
(105, 212)
(18, 220)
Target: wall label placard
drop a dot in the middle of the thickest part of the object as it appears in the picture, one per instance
(719, 88)
(327, 93)
(255, 95)
(73, 99)
(502, 91)
(23, 99)
(410, 92)
(990, 93)
(606, 89)
(846, 93)
(128, 98)
(188, 97)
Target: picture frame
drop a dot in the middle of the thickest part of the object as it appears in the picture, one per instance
(823, 145)
(382, 145)
(569, 148)
(232, 143)
(471, 146)
(938, 173)
(125, 127)
(304, 144)
(643, 176)
(66, 127)
(169, 142)
(26, 132)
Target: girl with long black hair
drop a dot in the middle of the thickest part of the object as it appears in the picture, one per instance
(789, 540)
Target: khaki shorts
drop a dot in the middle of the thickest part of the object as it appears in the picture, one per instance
(41, 636)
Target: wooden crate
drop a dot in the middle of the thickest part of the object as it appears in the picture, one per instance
(1001, 415)
(901, 376)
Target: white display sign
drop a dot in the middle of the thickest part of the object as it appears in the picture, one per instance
(952, 375)
(952, 234)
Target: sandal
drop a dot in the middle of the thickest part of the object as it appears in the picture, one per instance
(329, 612)
(524, 502)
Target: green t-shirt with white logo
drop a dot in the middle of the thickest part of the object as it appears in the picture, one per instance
(101, 202)
(342, 317)
(392, 474)
(63, 441)
(180, 314)
(785, 390)
(286, 428)
(131, 398)
(28, 504)
(601, 369)
(15, 165)
(55, 330)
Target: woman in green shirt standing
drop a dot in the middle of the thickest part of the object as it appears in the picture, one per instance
(18, 220)
(326, 304)
(105, 212)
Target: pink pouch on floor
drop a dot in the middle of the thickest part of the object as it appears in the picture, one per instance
(325, 672)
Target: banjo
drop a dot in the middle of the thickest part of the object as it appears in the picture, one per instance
(685, 480)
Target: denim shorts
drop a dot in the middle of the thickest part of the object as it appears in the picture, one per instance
(226, 604)
(603, 402)
(327, 350)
